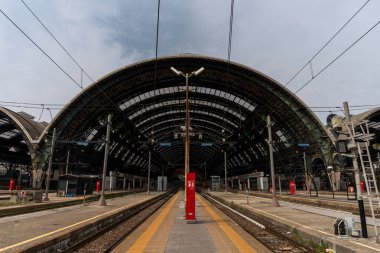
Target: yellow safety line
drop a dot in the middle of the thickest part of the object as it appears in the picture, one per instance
(307, 227)
(70, 226)
(145, 238)
(240, 243)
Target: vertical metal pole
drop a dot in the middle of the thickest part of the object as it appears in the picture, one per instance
(67, 161)
(46, 198)
(149, 166)
(307, 179)
(357, 179)
(270, 142)
(187, 144)
(225, 171)
(102, 200)
(279, 183)
(205, 176)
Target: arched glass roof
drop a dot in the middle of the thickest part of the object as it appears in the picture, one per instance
(229, 104)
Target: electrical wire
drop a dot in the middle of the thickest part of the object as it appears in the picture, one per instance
(155, 63)
(230, 33)
(328, 42)
(59, 106)
(336, 58)
(95, 84)
(229, 46)
(59, 43)
(42, 111)
(34, 43)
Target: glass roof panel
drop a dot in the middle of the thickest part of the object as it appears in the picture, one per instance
(197, 89)
(183, 119)
(9, 134)
(195, 101)
(3, 121)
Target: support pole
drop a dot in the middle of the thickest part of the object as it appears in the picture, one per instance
(307, 179)
(205, 176)
(270, 142)
(149, 166)
(225, 171)
(187, 139)
(67, 161)
(357, 178)
(46, 198)
(102, 200)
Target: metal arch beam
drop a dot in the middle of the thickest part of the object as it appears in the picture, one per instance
(229, 117)
(209, 135)
(163, 118)
(174, 99)
(196, 151)
(202, 120)
(138, 78)
(29, 130)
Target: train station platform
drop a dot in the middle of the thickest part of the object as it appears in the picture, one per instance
(7, 208)
(304, 221)
(23, 231)
(167, 231)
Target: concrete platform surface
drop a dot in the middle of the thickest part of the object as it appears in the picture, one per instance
(22, 231)
(167, 231)
(311, 222)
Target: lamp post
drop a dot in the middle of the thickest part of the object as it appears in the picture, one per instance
(187, 118)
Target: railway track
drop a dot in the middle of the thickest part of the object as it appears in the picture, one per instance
(264, 231)
(107, 239)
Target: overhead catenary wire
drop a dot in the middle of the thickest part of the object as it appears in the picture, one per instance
(155, 63)
(42, 111)
(230, 32)
(336, 58)
(39, 48)
(59, 106)
(325, 45)
(51, 59)
(60, 44)
(229, 42)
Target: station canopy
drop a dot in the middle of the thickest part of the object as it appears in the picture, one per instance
(19, 134)
(229, 105)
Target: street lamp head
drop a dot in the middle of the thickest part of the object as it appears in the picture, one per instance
(198, 71)
(177, 72)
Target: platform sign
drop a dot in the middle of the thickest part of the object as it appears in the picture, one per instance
(190, 198)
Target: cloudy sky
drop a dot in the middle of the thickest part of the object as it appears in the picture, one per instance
(276, 37)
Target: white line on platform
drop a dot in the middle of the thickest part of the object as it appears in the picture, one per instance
(247, 218)
(70, 226)
(307, 227)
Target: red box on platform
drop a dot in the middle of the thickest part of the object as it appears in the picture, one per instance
(190, 198)
(292, 187)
